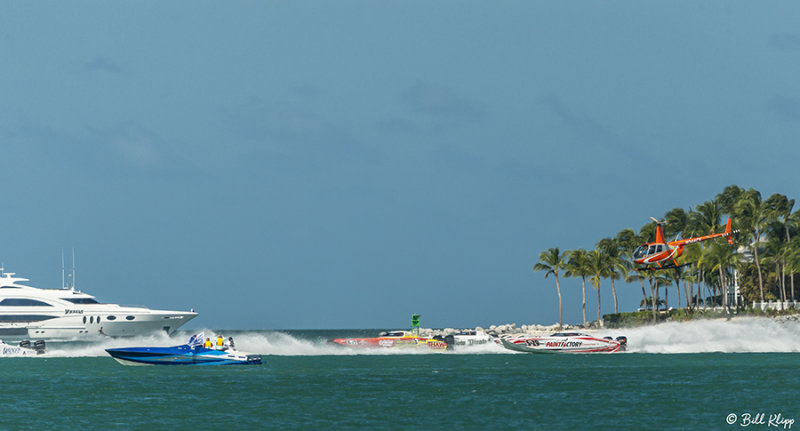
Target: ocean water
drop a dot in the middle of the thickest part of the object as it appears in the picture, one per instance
(702, 375)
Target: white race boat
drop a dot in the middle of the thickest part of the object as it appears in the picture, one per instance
(23, 349)
(469, 337)
(67, 314)
(570, 342)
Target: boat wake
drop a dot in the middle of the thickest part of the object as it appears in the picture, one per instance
(738, 335)
(261, 342)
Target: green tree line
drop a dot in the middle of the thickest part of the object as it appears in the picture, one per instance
(765, 256)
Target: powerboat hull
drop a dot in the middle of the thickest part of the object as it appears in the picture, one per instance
(565, 343)
(181, 355)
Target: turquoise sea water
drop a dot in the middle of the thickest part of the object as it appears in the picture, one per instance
(305, 384)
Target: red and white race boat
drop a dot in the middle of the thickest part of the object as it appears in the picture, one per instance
(393, 339)
(570, 342)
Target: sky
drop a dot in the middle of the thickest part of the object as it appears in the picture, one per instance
(324, 165)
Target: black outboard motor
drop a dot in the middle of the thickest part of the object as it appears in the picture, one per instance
(25, 344)
(450, 340)
(623, 342)
(38, 345)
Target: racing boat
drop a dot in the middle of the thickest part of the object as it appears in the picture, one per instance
(570, 342)
(191, 353)
(393, 339)
(469, 337)
(23, 349)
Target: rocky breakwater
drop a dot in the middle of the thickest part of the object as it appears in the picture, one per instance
(507, 329)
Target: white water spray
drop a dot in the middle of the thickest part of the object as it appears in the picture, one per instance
(744, 334)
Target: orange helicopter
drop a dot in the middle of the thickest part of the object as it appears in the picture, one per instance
(662, 251)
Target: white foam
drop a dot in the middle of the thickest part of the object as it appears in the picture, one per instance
(745, 334)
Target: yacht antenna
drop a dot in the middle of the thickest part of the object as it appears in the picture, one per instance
(63, 286)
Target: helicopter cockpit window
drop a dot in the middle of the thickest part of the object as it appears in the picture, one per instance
(652, 249)
(640, 252)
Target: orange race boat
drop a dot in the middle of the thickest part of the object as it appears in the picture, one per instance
(396, 339)
(393, 339)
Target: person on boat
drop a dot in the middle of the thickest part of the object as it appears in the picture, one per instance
(208, 344)
(229, 344)
(220, 342)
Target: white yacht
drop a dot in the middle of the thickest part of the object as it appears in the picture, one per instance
(67, 314)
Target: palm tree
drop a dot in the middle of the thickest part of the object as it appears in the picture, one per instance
(688, 285)
(728, 198)
(779, 208)
(598, 267)
(793, 259)
(577, 267)
(617, 266)
(752, 215)
(704, 220)
(551, 261)
(721, 258)
(792, 221)
(633, 276)
(676, 219)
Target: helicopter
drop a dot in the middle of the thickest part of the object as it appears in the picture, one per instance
(665, 254)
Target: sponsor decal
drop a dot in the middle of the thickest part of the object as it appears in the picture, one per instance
(73, 311)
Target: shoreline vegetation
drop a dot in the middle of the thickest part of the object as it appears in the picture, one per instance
(712, 279)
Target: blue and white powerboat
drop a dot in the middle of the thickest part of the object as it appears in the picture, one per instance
(192, 353)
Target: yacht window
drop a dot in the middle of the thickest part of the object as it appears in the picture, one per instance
(25, 318)
(111, 317)
(129, 317)
(91, 319)
(23, 302)
(81, 300)
(98, 319)
(84, 320)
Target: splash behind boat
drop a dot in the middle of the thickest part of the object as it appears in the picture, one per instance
(192, 353)
(566, 342)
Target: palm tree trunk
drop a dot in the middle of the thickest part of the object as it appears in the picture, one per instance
(783, 281)
(686, 290)
(560, 309)
(599, 321)
(614, 291)
(791, 271)
(653, 300)
(758, 268)
(723, 288)
(781, 286)
(644, 294)
(584, 300)
(703, 282)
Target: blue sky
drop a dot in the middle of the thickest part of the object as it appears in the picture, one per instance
(345, 164)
